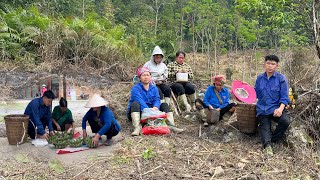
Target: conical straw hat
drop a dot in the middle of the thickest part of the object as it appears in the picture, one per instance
(96, 101)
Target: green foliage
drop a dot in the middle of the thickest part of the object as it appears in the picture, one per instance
(148, 153)
(21, 158)
(91, 30)
(57, 166)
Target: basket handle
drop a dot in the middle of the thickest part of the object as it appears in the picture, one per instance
(24, 134)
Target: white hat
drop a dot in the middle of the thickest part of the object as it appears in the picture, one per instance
(43, 85)
(96, 101)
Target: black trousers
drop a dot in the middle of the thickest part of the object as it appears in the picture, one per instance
(164, 90)
(180, 88)
(222, 111)
(96, 126)
(135, 107)
(265, 127)
(31, 128)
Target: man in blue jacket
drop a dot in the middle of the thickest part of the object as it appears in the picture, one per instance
(39, 112)
(101, 120)
(272, 92)
(146, 95)
(216, 98)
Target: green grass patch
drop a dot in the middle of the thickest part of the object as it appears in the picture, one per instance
(16, 105)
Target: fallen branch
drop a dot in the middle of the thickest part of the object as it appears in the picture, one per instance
(85, 169)
(152, 170)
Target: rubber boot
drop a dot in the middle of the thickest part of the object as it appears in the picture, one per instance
(192, 98)
(167, 100)
(171, 124)
(135, 116)
(185, 102)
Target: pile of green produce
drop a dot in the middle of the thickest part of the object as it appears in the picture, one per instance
(61, 140)
(88, 142)
(76, 142)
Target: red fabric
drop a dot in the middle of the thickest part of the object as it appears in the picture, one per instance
(142, 70)
(76, 135)
(218, 80)
(71, 150)
(159, 130)
(252, 96)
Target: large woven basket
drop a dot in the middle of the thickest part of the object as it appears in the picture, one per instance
(246, 117)
(17, 128)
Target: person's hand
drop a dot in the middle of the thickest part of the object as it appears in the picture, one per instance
(44, 136)
(155, 108)
(95, 140)
(232, 109)
(84, 134)
(218, 109)
(210, 107)
(278, 112)
(70, 130)
(58, 127)
(51, 133)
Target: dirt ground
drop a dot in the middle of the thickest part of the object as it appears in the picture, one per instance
(220, 152)
(216, 152)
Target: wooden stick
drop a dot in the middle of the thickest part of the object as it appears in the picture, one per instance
(152, 170)
(176, 103)
(85, 169)
(205, 159)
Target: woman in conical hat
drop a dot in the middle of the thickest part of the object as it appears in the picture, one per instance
(100, 119)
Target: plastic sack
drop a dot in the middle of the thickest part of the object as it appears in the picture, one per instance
(155, 126)
(39, 142)
(161, 130)
(150, 113)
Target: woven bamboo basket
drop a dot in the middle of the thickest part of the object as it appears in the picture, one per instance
(246, 117)
(17, 128)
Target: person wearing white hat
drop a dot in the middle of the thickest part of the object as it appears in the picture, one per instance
(100, 119)
(146, 95)
(159, 74)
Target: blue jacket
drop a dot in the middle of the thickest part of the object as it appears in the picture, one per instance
(38, 112)
(271, 93)
(146, 99)
(210, 97)
(106, 119)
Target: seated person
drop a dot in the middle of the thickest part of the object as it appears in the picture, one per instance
(146, 95)
(181, 89)
(62, 117)
(101, 120)
(272, 90)
(217, 98)
(39, 112)
(159, 74)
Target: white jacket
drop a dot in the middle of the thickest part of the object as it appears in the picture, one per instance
(159, 72)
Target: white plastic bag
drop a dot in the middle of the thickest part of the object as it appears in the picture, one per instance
(148, 112)
(39, 142)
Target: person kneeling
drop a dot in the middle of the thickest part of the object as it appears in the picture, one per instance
(62, 117)
(216, 98)
(39, 113)
(101, 120)
(146, 95)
